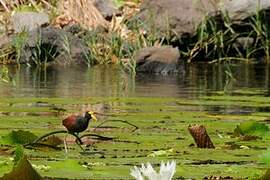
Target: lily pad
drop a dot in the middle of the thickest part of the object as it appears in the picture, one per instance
(19, 137)
(23, 170)
(265, 158)
(161, 153)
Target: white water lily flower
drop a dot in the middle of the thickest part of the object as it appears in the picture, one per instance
(166, 171)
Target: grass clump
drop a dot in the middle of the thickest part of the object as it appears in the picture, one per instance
(18, 43)
(219, 38)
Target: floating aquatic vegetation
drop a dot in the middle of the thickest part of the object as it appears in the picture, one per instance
(265, 158)
(22, 168)
(252, 128)
(161, 153)
(19, 137)
(156, 139)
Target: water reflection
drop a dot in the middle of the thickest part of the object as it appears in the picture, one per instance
(196, 79)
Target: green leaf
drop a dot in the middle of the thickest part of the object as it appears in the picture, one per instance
(118, 3)
(161, 153)
(23, 170)
(251, 128)
(68, 166)
(18, 155)
(19, 137)
(265, 158)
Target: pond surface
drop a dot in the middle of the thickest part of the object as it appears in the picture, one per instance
(162, 107)
(109, 81)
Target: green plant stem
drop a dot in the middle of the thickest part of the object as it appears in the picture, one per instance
(52, 133)
(116, 120)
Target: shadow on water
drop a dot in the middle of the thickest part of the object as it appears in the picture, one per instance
(195, 80)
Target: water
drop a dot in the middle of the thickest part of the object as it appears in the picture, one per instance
(186, 100)
(110, 81)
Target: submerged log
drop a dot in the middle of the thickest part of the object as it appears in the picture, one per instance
(200, 136)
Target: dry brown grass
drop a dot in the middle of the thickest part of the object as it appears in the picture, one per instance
(83, 12)
(9, 5)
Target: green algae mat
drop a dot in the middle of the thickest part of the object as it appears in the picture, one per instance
(113, 147)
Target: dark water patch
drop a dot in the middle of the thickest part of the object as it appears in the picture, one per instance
(258, 148)
(126, 141)
(212, 177)
(263, 109)
(214, 110)
(58, 178)
(242, 155)
(210, 161)
(91, 153)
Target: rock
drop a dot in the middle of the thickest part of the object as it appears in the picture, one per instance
(239, 10)
(4, 40)
(106, 8)
(74, 29)
(28, 21)
(162, 59)
(182, 17)
(178, 16)
(244, 42)
(63, 47)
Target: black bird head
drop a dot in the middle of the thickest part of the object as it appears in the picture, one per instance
(90, 115)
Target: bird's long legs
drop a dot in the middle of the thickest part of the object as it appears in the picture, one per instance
(65, 143)
(78, 141)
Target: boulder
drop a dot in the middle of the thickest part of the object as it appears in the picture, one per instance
(55, 46)
(239, 10)
(107, 8)
(182, 17)
(164, 60)
(28, 21)
(244, 42)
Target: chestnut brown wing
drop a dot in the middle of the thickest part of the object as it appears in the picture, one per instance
(70, 122)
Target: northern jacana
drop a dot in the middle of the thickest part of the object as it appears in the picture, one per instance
(77, 124)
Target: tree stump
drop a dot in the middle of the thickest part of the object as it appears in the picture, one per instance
(200, 136)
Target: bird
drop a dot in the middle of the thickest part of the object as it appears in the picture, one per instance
(76, 124)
